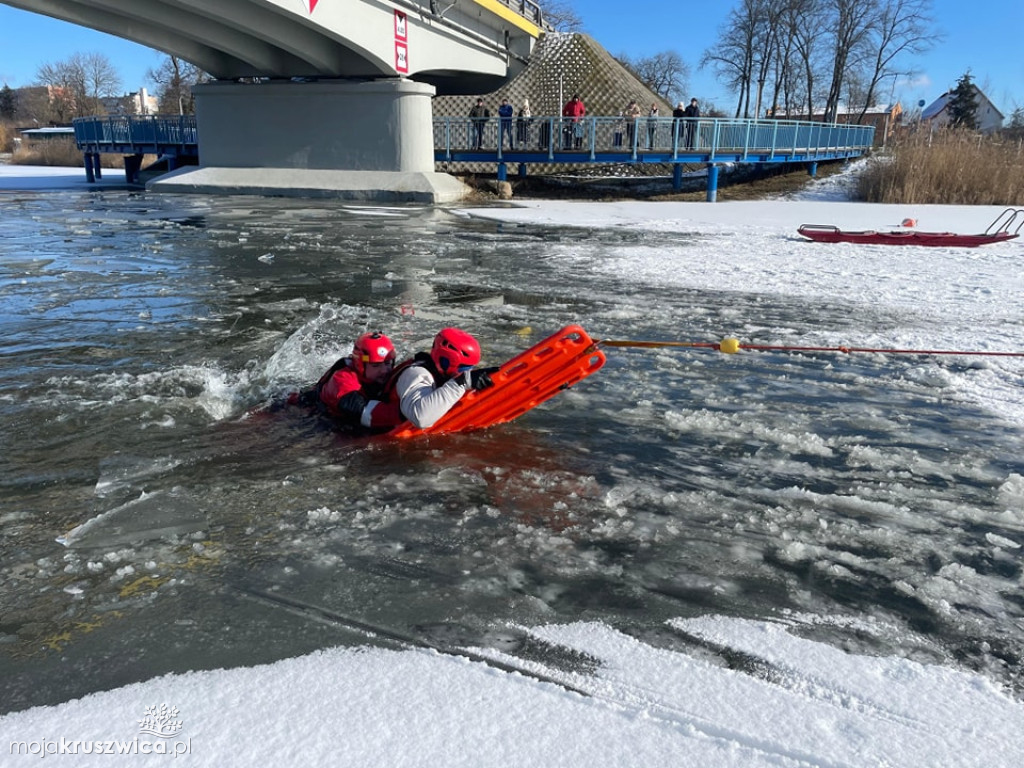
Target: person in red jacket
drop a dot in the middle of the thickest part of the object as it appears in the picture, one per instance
(574, 110)
(351, 390)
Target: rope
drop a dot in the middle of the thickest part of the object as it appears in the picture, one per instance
(731, 346)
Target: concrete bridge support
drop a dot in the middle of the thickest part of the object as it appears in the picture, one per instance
(357, 140)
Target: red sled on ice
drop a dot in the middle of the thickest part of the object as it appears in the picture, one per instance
(998, 231)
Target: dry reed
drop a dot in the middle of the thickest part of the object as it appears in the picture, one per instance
(62, 152)
(6, 136)
(946, 167)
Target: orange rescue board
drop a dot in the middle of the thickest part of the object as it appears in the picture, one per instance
(524, 382)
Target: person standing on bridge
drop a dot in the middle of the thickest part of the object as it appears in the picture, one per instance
(505, 113)
(652, 125)
(620, 127)
(692, 112)
(479, 115)
(632, 115)
(523, 121)
(574, 110)
(677, 121)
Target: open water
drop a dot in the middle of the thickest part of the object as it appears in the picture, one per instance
(152, 520)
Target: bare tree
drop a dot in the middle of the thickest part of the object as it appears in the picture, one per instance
(174, 79)
(808, 22)
(768, 14)
(794, 62)
(902, 27)
(783, 60)
(561, 16)
(79, 84)
(733, 57)
(61, 81)
(816, 51)
(101, 81)
(853, 21)
(664, 73)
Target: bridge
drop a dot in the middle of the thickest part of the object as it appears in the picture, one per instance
(342, 88)
(334, 97)
(541, 141)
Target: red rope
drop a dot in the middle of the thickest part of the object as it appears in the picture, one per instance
(849, 350)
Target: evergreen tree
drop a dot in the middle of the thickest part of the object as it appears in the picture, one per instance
(963, 104)
(8, 108)
(1015, 130)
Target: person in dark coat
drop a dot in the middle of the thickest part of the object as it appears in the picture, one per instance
(479, 115)
(692, 112)
(505, 113)
(677, 125)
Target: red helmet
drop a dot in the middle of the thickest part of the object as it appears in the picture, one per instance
(372, 348)
(454, 350)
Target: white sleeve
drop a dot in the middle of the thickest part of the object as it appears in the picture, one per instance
(421, 402)
(366, 418)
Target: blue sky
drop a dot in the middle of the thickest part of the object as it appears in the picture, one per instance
(986, 38)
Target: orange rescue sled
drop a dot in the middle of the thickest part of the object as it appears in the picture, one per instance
(524, 382)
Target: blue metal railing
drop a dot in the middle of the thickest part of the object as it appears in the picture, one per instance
(541, 140)
(594, 139)
(667, 139)
(155, 134)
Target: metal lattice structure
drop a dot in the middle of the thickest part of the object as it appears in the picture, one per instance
(561, 65)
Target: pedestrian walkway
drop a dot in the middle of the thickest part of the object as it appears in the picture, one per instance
(538, 141)
(609, 140)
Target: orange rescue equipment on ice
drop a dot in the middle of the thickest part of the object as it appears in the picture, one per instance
(524, 382)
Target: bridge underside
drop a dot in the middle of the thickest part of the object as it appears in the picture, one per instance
(467, 47)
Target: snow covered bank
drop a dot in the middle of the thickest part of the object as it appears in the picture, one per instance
(780, 701)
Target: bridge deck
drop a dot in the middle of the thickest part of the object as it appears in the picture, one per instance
(151, 134)
(663, 140)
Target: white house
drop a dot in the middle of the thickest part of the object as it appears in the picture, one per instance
(989, 118)
(136, 103)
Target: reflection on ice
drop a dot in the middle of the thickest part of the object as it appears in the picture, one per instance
(151, 516)
(119, 473)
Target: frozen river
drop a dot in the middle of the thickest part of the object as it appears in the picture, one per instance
(149, 525)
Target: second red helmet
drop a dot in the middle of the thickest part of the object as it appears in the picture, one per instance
(454, 349)
(372, 348)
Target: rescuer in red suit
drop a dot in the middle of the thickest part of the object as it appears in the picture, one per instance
(351, 389)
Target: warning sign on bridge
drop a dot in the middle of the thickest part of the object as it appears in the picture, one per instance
(401, 43)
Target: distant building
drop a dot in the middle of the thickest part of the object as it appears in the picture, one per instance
(42, 105)
(44, 134)
(136, 103)
(52, 105)
(990, 119)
